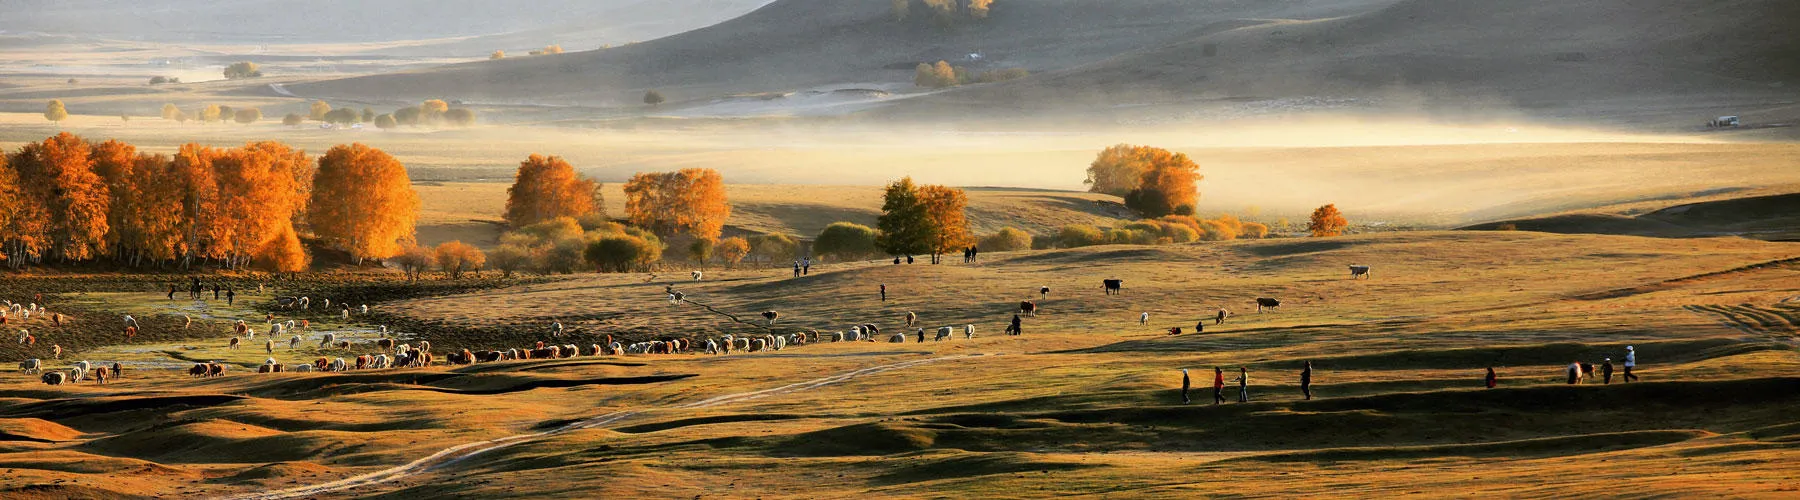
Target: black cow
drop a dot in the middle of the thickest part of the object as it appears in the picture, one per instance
(1112, 286)
(1265, 302)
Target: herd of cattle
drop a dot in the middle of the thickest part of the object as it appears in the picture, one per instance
(394, 354)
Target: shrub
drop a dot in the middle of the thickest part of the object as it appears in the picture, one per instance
(242, 69)
(619, 253)
(1080, 235)
(846, 241)
(1254, 230)
(1007, 239)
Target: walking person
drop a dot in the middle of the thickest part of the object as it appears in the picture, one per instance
(1606, 371)
(1492, 379)
(796, 269)
(171, 291)
(1306, 380)
(1184, 386)
(806, 267)
(230, 296)
(1218, 385)
(1243, 382)
(1630, 361)
(1017, 326)
(215, 291)
(884, 292)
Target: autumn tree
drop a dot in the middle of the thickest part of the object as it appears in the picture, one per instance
(455, 257)
(262, 189)
(1007, 239)
(733, 250)
(385, 122)
(248, 115)
(1118, 169)
(546, 188)
(846, 241)
(74, 200)
(1327, 221)
(242, 69)
(653, 97)
(169, 111)
(13, 211)
(431, 112)
(55, 112)
(363, 202)
(498, 54)
(317, 110)
(341, 116)
(413, 259)
(1169, 186)
(368, 115)
(690, 202)
(935, 76)
(283, 253)
(226, 113)
(978, 9)
(945, 209)
(291, 120)
(210, 113)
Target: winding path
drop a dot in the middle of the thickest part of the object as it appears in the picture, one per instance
(462, 452)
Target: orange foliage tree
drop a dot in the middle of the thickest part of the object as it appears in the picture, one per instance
(259, 193)
(691, 202)
(363, 202)
(944, 208)
(1168, 186)
(1327, 221)
(733, 250)
(455, 257)
(546, 188)
(74, 201)
(283, 253)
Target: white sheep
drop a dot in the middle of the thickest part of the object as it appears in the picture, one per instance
(1144, 319)
(697, 275)
(301, 368)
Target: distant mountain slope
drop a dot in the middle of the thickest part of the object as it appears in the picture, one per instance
(792, 44)
(536, 23)
(1775, 217)
(1528, 53)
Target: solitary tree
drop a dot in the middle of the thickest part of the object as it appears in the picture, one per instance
(363, 202)
(408, 116)
(691, 202)
(55, 111)
(498, 54)
(169, 112)
(368, 115)
(1118, 169)
(226, 113)
(243, 69)
(904, 223)
(1168, 186)
(1327, 221)
(653, 98)
(248, 115)
(318, 110)
(385, 122)
(291, 120)
(546, 188)
(944, 208)
(432, 111)
(413, 260)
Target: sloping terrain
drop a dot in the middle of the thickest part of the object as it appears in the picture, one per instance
(1086, 402)
(1772, 217)
(798, 44)
(1459, 58)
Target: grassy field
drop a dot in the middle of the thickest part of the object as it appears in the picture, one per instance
(1085, 403)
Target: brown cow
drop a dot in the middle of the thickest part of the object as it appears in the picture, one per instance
(199, 370)
(118, 370)
(234, 342)
(1028, 308)
(215, 370)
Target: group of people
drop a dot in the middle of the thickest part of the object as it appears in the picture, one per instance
(1492, 380)
(803, 267)
(196, 291)
(970, 254)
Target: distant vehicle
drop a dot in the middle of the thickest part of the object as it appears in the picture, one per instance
(324, 126)
(356, 126)
(1723, 122)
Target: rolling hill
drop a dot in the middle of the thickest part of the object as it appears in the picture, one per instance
(1773, 217)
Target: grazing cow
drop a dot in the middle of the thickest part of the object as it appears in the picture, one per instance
(697, 275)
(771, 316)
(1028, 308)
(362, 362)
(365, 309)
(269, 345)
(343, 344)
(870, 331)
(328, 340)
(556, 329)
(758, 345)
(1144, 319)
(1112, 286)
(304, 368)
(424, 346)
(968, 331)
(1220, 320)
(338, 365)
(898, 338)
(215, 370)
(31, 366)
(268, 368)
(385, 344)
(911, 318)
(54, 378)
(100, 376)
(294, 342)
(1266, 303)
(462, 358)
(779, 343)
(741, 344)
(677, 297)
(234, 342)
(943, 333)
(1359, 272)
(118, 370)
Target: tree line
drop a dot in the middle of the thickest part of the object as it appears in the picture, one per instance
(430, 113)
(74, 201)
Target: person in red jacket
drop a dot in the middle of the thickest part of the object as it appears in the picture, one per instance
(1218, 385)
(1492, 380)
